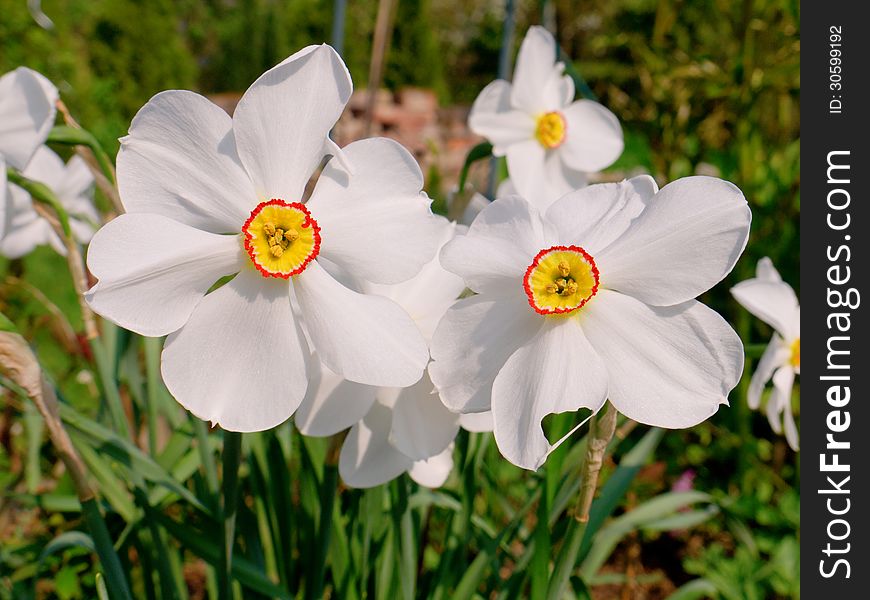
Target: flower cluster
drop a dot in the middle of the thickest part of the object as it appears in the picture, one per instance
(295, 277)
(27, 114)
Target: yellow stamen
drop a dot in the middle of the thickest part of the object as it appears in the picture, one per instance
(795, 359)
(550, 129)
(560, 280)
(281, 238)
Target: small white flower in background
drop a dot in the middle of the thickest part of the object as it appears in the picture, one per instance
(73, 185)
(551, 142)
(27, 113)
(393, 430)
(593, 300)
(773, 301)
(208, 196)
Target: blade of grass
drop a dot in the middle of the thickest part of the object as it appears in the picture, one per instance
(407, 540)
(232, 457)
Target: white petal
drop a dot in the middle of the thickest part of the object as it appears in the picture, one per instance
(536, 63)
(81, 230)
(27, 113)
(766, 271)
(366, 339)
(332, 403)
(153, 271)
(180, 161)
(22, 240)
(241, 360)
(429, 294)
(46, 167)
(505, 188)
(780, 399)
(284, 118)
(422, 426)
(499, 246)
(775, 354)
(472, 343)
(540, 175)
(367, 457)
(78, 181)
(596, 215)
(493, 117)
(774, 302)
(477, 203)
(476, 422)
(593, 138)
(376, 223)
(556, 371)
(685, 241)
(669, 366)
(558, 92)
(433, 472)
(791, 431)
(5, 207)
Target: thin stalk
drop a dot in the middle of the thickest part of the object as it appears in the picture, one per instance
(601, 430)
(152, 370)
(205, 455)
(504, 70)
(232, 457)
(327, 501)
(91, 151)
(381, 41)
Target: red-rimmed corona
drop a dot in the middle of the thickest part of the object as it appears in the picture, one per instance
(281, 238)
(560, 280)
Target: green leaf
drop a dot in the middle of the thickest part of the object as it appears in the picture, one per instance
(479, 152)
(694, 590)
(203, 545)
(68, 539)
(6, 324)
(656, 514)
(124, 452)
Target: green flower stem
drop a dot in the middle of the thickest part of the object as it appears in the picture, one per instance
(601, 429)
(232, 457)
(152, 369)
(206, 457)
(73, 135)
(43, 194)
(327, 501)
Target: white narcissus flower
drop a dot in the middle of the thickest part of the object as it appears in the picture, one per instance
(551, 142)
(593, 300)
(773, 301)
(209, 196)
(393, 431)
(27, 113)
(72, 184)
